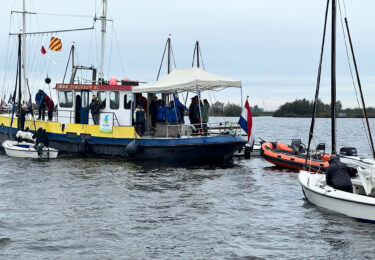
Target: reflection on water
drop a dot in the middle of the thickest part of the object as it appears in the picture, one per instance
(99, 208)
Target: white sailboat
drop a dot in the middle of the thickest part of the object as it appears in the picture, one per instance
(361, 203)
(27, 150)
(24, 147)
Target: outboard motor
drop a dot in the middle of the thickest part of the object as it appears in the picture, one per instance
(348, 151)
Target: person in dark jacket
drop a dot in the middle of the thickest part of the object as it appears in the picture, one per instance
(40, 101)
(337, 175)
(95, 107)
(154, 111)
(194, 113)
(22, 118)
(140, 119)
(41, 140)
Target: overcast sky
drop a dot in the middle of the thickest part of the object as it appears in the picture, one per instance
(273, 46)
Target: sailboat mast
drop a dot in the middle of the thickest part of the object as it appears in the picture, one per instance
(197, 48)
(24, 45)
(169, 55)
(104, 29)
(333, 78)
(19, 73)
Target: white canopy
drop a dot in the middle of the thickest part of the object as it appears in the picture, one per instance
(181, 80)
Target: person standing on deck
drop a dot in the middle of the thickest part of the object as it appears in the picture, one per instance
(140, 118)
(22, 118)
(50, 105)
(205, 115)
(143, 102)
(162, 111)
(173, 114)
(95, 107)
(154, 112)
(40, 101)
(194, 113)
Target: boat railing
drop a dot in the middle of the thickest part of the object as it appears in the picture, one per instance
(72, 116)
(173, 130)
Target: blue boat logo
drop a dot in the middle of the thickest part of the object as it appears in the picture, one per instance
(106, 119)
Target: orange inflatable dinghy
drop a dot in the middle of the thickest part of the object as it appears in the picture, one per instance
(293, 156)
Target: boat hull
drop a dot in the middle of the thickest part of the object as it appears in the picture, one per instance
(353, 205)
(204, 149)
(283, 157)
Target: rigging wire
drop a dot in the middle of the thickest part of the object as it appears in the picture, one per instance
(311, 132)
(6, 61)
(66, 15)
(351, 74)
(110, 53)
(200, 53)
(174, 61)
(118, 50)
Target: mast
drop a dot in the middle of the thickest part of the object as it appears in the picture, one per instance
(169, 54)
(333, 78)
(103, 18)
(19, 73)
(24, 45)
(197, 48)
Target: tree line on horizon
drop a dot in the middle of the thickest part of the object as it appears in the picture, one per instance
(296, 108)
(304, 108)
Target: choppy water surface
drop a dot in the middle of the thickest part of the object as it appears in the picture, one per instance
(105, 209)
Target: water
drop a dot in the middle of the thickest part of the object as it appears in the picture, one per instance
(246, 209)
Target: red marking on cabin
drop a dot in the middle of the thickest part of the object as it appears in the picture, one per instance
(91, 87)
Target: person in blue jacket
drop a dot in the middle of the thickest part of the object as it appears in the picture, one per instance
(162, 111)
(173, 114)
(40, 101)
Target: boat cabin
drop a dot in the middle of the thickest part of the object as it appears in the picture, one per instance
(115, 97)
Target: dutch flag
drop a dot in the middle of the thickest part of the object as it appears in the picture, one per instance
(246, 121)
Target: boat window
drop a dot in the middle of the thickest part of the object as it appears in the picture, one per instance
(102, 98)
(115, 100)
(66, 99)
(85, 99)
(127, 101)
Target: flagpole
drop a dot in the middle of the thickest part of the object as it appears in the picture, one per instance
(241, 96)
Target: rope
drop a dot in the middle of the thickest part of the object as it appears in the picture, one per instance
(110, 54)
(174, 61)
(351, 74)
(311, 132)
(200, 53)
(162, 59)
